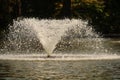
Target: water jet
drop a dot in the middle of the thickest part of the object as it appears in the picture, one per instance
(48, 32)
(48, 36)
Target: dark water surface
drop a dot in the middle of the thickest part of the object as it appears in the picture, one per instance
(60, 70)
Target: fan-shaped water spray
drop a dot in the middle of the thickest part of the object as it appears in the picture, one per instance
(75, 36)
(31, 31)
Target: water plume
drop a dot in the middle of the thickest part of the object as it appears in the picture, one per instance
(34, 34)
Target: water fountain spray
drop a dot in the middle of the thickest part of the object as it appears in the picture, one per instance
(29, 31)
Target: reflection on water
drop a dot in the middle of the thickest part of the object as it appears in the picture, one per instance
(60, 70)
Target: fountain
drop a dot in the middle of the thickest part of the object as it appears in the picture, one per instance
(31, 35)
(49, 49)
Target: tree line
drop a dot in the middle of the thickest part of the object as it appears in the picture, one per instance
(104, 15)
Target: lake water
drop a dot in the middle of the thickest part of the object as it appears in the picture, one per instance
(60, 70)
(64, 66)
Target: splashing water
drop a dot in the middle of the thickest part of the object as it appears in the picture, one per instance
(33, 34)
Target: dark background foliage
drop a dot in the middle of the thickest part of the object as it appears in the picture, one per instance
(104, 15)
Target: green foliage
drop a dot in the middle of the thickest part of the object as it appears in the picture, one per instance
(102, 14)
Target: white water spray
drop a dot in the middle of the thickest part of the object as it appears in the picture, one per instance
(48, 32)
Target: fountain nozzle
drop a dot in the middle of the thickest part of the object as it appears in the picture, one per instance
(48, 55)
